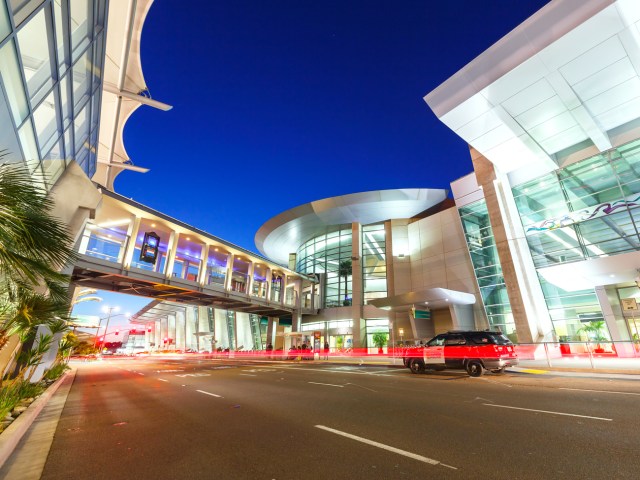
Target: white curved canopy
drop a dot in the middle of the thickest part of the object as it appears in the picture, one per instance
(284, 233)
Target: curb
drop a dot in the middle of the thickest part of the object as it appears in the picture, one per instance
(12, 435)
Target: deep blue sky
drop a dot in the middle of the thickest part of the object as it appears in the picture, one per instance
(279, 103)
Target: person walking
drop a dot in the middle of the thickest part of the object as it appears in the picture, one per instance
(326, 350)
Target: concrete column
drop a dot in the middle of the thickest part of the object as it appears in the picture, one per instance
(229, 270)
(132, 233)
(172, 246)
(529, 308)
(180, 342)
(388, 240)
(171, 331)
(268, 278)
(357, 296)
(250, 278)
(614, 318)
(204, 258)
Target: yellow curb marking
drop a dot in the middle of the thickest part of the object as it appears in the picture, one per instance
(536, 372)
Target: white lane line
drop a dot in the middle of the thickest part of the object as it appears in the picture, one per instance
(208, 393)
(598, 391)
(547, 411)
(140, 373)
(415, 456)
(247, 375)
(163, 380)
(327, 384)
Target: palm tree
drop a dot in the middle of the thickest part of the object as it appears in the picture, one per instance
(345, 269)
(34, 247)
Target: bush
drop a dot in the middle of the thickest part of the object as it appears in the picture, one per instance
(56, 371)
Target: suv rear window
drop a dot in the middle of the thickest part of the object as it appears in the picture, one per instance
(489, 338)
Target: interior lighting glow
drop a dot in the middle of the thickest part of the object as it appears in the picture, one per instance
(153, 225)
(115, 223)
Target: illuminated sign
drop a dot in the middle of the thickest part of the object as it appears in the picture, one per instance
(149, 250)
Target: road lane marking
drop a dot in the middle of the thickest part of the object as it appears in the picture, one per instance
(598, 391)
(140, 373)
(209, 393)
(415, 456)
(547, 411)
(163, 380)
(327, 384)
(247, 375)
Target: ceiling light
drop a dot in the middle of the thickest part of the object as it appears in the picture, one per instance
(153, 225)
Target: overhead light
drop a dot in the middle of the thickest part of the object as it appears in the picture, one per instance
(426, 303)
(153, 225)
(188, 238)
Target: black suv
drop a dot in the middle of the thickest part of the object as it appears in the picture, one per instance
(473, 351)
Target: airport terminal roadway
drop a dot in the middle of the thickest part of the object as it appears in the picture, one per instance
(193, 418)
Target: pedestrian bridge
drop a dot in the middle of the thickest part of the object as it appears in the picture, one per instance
(133, 249)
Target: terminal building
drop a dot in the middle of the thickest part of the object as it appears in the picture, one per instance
(538, 241)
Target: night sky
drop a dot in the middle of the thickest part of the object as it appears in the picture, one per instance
(279, 103)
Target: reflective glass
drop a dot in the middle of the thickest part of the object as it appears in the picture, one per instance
(65, 102)
(8, 140)
(81, 80)
(5, 25)
(80, 26)
(12, 80)
(68, 147)
(28, 142)
(23, 8)
(81, 131)
(46, 122)
(98, 48)
(53, 164)
(61, 38)
(33, 41)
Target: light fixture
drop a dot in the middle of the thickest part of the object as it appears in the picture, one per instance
(153, 225)
(426, 303)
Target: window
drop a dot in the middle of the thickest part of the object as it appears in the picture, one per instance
(33, 41)
(12, 80)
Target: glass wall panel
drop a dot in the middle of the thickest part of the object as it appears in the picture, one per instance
(33, 41)
(28, 142)
(80, 12)
(46, 122)
(374, 264)
(8, 136)
(82, 129)
(61, 18)
(53, 164)
(486, 265)
(65, 102)
(325, 254)
(23, 8)
(5, 25)
(12, 81)
(81, 80)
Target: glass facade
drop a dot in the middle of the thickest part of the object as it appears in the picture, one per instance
(51, 60)
(587, 210)
(486, 266)
(374, 263)
(325, 254)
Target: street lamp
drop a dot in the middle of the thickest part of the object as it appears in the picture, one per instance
(109, 311)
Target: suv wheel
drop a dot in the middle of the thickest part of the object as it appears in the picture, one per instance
(416, 366)
(474, 368)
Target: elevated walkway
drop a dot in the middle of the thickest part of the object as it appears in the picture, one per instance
(130, 248)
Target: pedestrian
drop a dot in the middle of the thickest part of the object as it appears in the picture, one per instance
(326, 350)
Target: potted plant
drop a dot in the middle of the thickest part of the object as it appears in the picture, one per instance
(595, 331)
(380, 340)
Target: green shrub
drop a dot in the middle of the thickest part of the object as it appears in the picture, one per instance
(56, 371)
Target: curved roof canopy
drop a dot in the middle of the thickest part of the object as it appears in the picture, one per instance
(124, 88)
(569, 76)
(284, 233)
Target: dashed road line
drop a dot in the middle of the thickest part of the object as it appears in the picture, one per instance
(209, 393)
(327, 384)
(247, 374)
(414, 456)
(598, 391)
(550, 412)
(163, 380)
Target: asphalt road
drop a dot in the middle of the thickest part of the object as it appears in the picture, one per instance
(192, 419)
